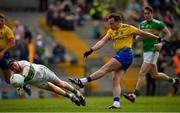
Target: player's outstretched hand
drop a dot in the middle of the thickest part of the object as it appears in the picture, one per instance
(19, 91)
(87, 53)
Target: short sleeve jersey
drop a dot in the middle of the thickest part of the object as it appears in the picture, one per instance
(122, 37)
(155, 27)
(35, 71)
(5, 34)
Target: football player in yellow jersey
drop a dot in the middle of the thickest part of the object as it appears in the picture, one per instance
(122, 37)
(7, 42)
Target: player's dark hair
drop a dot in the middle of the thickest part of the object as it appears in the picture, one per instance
(10, 62)
(2, 15)
(116, 16)
(149, 8)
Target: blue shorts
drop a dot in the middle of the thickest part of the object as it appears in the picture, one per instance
(3, 62)
(125, 57)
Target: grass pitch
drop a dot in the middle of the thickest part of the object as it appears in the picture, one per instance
(94, 104)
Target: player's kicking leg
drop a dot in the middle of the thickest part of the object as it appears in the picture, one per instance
(77, 82)
(112, 65)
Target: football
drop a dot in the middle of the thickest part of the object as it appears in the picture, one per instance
(16, 80)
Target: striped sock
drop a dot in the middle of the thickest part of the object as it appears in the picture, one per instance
(89, 78)
(137, 92)
(67, 95)
(76, 92)
(171, 80)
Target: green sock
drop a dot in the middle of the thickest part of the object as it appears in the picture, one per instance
(74, 91)
(136, 92)
(170, 79)
(67, 95)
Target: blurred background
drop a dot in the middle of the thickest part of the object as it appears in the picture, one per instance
(55, 33)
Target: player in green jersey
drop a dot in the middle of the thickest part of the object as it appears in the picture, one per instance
(151, 49)
(42, 77)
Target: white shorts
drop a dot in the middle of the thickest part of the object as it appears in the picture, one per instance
(48, 76)
(150, 57)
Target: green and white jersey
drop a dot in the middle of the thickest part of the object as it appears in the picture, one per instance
(35, 70)
(38, 75)
(155, 27)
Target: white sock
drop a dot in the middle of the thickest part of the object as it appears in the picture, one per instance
(133, 95)
(174, 80)
(70, 95)
(84, 80)
(78, 94)
(116, 103)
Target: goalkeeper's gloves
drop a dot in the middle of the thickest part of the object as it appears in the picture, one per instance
(88, 52)
(19, 91)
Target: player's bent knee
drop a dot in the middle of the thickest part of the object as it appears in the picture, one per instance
(142, 74)
(154, 76)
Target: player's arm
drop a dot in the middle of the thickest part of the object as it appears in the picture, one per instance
(138, 38)
(100, 43)
(25, 71)
(164, 40)
(97, 46)
(10, 45)
(10, 40)
(167, 36)
(146, 34)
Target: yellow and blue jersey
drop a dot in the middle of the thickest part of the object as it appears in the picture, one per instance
(122, 43)
(5, 33)
(122, 37)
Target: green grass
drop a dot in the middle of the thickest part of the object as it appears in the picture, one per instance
(94, 104)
